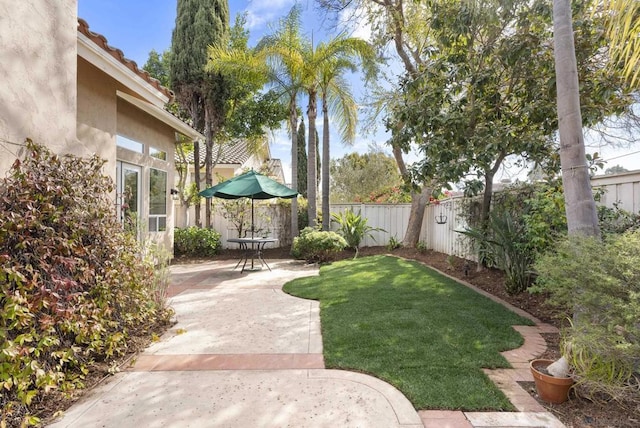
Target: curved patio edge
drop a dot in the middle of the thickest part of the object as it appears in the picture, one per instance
(406, 414)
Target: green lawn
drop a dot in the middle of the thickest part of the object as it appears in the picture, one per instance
(414, 328)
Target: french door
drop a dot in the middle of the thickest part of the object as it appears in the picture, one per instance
(128, 193)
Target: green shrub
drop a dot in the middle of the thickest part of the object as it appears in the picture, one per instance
(525, 221)
(317, 246)
(196, 242)
(75, 288)
(509, 248)
(303, 214)
(353, 228)
(615, 220)
(598, 284)
(393, 243)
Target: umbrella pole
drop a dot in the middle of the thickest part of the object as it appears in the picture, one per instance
(252, 228)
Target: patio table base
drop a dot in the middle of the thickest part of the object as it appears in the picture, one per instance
(252, 248)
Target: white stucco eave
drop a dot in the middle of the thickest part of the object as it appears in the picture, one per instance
(162, 115)
(95, 55)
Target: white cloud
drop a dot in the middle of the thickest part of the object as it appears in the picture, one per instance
(262, 12)
(353, 22)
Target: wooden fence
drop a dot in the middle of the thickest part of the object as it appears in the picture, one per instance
(439, 224)
(622, 189)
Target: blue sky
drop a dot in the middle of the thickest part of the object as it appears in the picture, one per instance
(138, 26)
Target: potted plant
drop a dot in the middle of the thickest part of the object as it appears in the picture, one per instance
(551, 385)
(597, 285)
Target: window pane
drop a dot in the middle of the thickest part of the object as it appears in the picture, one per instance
(157, 192)
(158, 154)
(130, 191)
(129, 144)
(157, 223)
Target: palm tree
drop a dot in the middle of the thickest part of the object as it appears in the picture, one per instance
(246, 72)
(624, 33)
(284, 52)
(311, 86)
(582, 217)
(338, 101)
(323, 67)
(400, 24)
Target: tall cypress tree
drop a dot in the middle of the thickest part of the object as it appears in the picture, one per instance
(302, 159)
(199, 23)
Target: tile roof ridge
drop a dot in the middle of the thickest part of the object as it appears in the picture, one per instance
(101, 41)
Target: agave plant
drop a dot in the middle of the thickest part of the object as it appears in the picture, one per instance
(354, 228)
(502, 243)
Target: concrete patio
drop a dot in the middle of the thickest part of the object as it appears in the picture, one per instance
(244, 353)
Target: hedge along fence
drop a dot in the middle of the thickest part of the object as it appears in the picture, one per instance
(270, 216)
(393, 218)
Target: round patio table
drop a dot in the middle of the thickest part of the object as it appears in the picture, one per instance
(252, 248)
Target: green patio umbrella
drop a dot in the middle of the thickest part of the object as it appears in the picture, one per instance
(251, 185)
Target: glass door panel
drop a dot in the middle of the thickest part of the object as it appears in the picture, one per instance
(128, 184)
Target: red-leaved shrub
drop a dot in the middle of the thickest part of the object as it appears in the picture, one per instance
(74, 286)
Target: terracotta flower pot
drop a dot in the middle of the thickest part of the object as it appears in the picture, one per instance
(551, 389)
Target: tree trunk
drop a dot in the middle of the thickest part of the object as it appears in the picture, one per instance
(312, 175)
(196, 177)
(582, 217)
(485, 209)
(194, 110)
(208, 161)
(325, 165)
(293, 122)
(416, 216)
(396, 19)
(419, 202)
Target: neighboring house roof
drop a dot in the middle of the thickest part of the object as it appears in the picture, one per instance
(273, 168)
(237, 153)
(100, 40)
(233, 153)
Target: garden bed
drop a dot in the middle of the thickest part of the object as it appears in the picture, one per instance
(575, 413)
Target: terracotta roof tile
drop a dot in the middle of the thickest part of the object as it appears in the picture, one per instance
(232, 153)
(101, 41)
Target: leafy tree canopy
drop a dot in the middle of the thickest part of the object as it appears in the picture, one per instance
(157, 66)
(369, 177)
(616, 169)
(250, 112)
(487, 89)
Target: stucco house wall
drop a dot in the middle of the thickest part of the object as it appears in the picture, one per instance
(66, 88)
(103, 115)
(38, 69)
(138, 126)
(97, 113)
